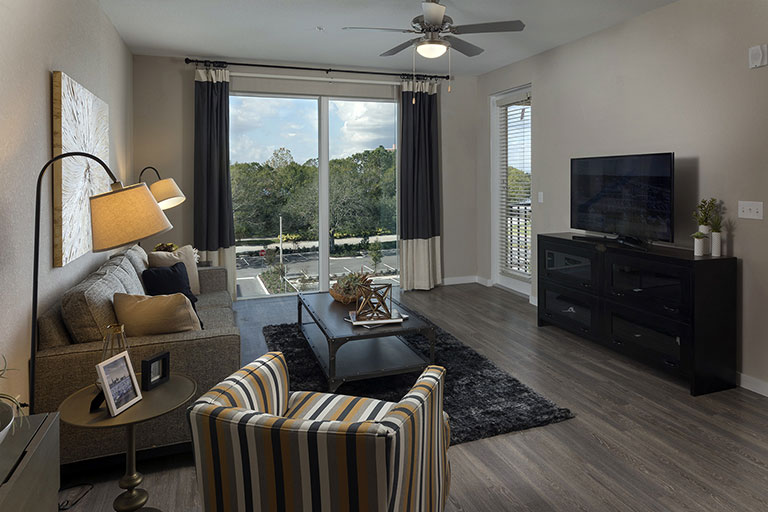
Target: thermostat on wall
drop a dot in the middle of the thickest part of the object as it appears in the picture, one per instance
(758, 56)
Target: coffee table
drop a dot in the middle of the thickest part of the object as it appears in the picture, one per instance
(366, 353)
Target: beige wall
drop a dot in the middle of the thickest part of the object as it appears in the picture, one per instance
(164, 131)
(674, 79)
(37, 37)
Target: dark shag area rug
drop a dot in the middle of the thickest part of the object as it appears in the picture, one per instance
(482, 400)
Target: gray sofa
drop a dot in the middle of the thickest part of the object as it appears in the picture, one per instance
(70, 345)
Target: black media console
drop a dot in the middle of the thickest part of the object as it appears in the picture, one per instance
(662, 306)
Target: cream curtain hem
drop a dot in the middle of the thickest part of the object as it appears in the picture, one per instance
(420, 264)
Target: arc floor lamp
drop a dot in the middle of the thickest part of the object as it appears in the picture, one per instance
(167, 193)
(119, 217)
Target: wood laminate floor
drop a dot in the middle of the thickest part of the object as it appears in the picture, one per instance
(639, 441)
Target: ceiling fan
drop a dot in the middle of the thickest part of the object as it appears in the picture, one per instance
(438, 32)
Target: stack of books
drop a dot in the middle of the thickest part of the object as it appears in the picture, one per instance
(397, 318)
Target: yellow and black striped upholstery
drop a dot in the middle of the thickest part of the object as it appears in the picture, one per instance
(258, 448)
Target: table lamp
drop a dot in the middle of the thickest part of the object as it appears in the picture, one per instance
(167, 193)
(122, 216)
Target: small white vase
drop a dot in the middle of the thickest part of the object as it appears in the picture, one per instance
(706, 230)
(717, 244)
(6, 419)
(698, 246)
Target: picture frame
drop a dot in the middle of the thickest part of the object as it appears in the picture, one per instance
(155, 371)
(118, 381)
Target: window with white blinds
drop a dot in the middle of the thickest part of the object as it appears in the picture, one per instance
(514, 189)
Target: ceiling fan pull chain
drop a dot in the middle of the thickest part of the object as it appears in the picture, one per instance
(413, 76)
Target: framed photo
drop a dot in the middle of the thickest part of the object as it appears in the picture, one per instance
(155, 371)
(121, 390)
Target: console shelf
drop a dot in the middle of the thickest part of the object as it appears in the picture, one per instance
(662, 306)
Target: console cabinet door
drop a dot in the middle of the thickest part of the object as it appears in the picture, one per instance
(655, 340)
(569, 265)
(656, 287)
(569, 309)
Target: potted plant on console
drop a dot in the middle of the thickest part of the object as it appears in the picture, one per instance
(703, 214)
(716, 224)
(10, 407)
(698, 243)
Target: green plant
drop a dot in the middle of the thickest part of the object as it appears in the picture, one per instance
(270, 256)
(698, 235)
(374, 252)
(13, 400)
(348, 284)
(167, 247)
(705, 210)
(716, 223)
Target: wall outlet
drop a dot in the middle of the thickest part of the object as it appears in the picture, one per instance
(751, 210)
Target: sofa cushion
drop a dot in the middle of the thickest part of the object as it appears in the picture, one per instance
(184, 255)
(214, 300)
(87, 307)
(217, 318)
(51, 331)
(123, 269)
(138, 258)
(145, 315)
(311, 405)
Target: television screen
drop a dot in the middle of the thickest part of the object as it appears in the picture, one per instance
(631, 195)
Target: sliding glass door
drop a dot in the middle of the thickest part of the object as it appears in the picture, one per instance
(304, 166)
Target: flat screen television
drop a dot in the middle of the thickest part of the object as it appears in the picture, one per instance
(631, 196)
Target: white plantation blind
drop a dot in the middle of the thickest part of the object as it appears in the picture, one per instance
(514, 114)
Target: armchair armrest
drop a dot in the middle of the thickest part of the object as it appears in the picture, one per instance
(212, 279)
(247, 460)
(420, 447)
(261, 386)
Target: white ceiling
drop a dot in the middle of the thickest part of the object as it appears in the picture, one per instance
(286, 30)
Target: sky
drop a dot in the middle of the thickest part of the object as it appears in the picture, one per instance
(260, 125)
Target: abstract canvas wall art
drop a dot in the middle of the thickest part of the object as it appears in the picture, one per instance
(80, 123)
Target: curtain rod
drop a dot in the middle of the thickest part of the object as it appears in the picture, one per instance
(402, 76)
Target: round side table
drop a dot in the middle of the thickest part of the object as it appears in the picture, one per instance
(75, 410)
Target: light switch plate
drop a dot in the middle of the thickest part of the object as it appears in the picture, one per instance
(758, 56)
(751, 210)
(541, 197)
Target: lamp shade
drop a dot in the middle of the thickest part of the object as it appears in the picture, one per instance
(125, 215)
(167, 193)
(431, 49)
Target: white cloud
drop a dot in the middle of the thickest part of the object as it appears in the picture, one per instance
(365, 125)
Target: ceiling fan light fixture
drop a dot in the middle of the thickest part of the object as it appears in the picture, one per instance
(432, 49)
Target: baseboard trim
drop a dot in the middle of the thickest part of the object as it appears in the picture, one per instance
(449, 281)
(759, 386)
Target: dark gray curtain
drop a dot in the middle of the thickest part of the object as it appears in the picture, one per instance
(420, 259)
(214, 223)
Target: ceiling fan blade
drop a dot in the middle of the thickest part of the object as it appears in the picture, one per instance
(433, 13)
(494, 26)
(399, 48)
(401, 30)
(464, 47)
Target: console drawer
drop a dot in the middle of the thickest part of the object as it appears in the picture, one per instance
(657, 288)
(569, 265)
(567, 308)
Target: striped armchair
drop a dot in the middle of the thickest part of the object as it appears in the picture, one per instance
(259, 447)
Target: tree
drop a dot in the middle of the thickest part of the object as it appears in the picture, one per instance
(374, 252)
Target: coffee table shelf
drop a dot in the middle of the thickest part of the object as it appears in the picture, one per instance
(346, 352)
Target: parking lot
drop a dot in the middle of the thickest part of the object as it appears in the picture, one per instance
(305, 264)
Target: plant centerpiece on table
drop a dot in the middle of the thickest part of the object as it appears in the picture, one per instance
(166, 247)
(706, 209)
(345, 290)
(10, 406)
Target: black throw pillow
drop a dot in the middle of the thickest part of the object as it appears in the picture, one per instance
(169, 280)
